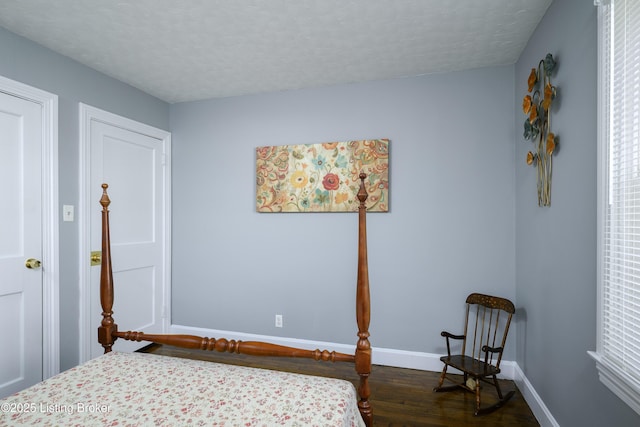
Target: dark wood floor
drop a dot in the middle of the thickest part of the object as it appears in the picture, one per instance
(399, 397)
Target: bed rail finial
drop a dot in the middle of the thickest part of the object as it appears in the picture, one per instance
(362, 192)
(104, 200)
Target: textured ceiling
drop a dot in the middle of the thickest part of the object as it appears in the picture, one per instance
(179, 50)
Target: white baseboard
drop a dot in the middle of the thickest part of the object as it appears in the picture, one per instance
(388, 357)
(241, 336)
(539, 409)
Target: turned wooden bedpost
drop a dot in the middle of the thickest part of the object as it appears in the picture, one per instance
(108, 328)
(363, 310)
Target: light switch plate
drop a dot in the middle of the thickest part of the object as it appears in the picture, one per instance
(67, 213)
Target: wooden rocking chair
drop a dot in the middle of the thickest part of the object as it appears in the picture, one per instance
(486, 325)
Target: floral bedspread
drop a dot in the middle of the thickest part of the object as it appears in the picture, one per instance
(138, 389)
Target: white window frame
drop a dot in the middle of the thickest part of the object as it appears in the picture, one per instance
(623, 385)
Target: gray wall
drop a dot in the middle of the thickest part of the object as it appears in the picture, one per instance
(450, 229)
(37, 66)
(556, 246)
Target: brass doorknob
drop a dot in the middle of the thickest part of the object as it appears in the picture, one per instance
(32, 263)
(96, 258)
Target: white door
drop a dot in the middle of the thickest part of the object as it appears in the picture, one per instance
(133, 163)
(21, 142)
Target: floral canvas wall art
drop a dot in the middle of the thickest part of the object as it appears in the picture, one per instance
(322, 177)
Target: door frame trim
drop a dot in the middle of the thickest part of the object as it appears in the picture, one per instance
(87, 115)
(50, 224)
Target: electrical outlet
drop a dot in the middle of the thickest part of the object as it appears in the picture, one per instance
(279, 321)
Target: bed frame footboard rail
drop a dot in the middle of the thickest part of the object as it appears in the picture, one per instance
(250, 348)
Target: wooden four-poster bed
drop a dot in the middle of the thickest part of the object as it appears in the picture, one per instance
(147, 389)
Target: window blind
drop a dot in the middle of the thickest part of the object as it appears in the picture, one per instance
(619, 338)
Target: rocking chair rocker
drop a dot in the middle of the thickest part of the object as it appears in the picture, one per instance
(487, 324)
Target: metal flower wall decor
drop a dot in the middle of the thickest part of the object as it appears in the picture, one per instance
(537, 127)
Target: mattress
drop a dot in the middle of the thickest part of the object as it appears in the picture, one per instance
(139, 389)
